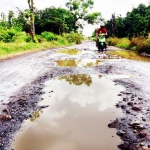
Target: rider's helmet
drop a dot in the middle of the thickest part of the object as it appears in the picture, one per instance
(102, 24)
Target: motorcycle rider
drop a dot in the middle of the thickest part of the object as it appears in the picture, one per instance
(101, 30)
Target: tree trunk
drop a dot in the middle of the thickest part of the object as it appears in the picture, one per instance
(32, 26)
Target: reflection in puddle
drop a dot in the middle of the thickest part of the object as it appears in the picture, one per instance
(78, 63)
(35, 115)
(77, 79)
(77, 117)
(69, 51)
(72, 63)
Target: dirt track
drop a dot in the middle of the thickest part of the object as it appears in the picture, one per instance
(22, 81)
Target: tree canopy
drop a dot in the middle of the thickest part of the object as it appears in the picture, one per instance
(79, 9)
(56, 20)
(135, 23)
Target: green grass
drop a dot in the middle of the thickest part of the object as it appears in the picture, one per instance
(130, 55)
(8, 50)
(138, 44)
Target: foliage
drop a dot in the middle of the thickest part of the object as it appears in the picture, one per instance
(56, 20)
(13, 35)
(138, 44)
(79, 10)
(113, 41)
(13, 49)
(49, 36)
(73, 37)
(136, 23)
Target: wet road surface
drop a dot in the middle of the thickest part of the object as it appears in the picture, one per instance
(23, 85)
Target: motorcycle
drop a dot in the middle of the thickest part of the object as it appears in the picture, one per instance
(101, 44)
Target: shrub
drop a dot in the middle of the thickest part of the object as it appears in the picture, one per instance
(13, 35)
(139, 42)
(62, 40)
(73, 37)
(40, 39)
(21, 37)
(113, 41)
(119, 42)
(133, 48)
(123, 45)
(49, 36)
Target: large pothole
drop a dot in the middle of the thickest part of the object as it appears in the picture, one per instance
(81, 107)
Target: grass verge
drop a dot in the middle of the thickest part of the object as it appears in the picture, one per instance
(138, 44)
(130, 55)
(8, 50)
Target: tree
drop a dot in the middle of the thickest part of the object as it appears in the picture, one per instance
(10, 18)
(80, 9)
(135, 23)
(56, 20)
(3, 21)
(30, 13)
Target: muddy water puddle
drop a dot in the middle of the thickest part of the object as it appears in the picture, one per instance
(81, 107)
(78, 63)
(70, 51)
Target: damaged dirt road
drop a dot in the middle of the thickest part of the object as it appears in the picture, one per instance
(24, 82)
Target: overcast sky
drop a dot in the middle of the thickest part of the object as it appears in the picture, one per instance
(106, 7)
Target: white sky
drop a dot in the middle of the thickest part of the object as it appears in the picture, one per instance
(106, 7)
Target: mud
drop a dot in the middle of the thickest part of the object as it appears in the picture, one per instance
(22, 81)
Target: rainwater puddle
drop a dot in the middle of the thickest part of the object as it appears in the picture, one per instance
(69, 51)
(78, 63)
(81, 107)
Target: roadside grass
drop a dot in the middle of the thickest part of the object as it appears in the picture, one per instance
(8, 50)
(19, 43)
(130, 55)
(138, 44)
(119, 42)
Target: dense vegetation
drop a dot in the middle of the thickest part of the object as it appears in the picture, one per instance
(131, 31)
(56, 25)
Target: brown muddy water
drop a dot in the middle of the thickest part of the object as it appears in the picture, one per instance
(70, 51)
(78, 63)
(81, 107)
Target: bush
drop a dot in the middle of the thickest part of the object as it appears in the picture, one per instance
(49, 36)
(119, 42)
(40, 39)
(13, 35)
(62, 40)
(140, 43)
(21, 37)
(123, 45)
(113, 41)
(133, 48)
(73, 37)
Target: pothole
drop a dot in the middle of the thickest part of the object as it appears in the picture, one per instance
(80, 108)
(78, 63)
(70, 51)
